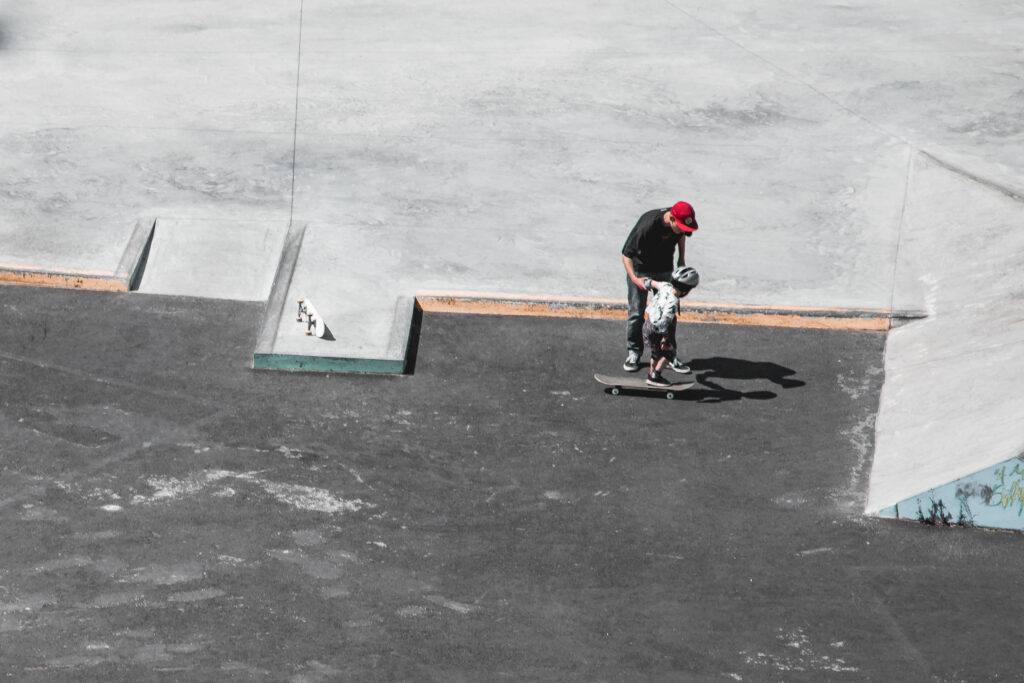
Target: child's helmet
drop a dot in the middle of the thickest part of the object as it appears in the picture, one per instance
(685, 277)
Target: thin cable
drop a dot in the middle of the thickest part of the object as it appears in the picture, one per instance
(295, 131)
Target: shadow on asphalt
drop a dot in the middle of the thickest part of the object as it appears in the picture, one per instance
(707, 370)
(413, 344)
(735, 368)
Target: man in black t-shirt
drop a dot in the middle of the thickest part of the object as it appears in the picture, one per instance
(647, 255)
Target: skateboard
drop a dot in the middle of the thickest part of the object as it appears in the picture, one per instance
(639, 381)
(314, 323)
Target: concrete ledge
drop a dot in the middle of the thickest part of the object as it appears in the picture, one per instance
(136, 253)
(393, 360)
(123, 279)
(694, 312)
(267, 356)
(279, 293)
(398, 342)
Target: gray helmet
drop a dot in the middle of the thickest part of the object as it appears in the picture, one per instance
(685, 276)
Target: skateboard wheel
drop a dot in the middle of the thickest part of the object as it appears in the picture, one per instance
(670, 395)
(616, 391)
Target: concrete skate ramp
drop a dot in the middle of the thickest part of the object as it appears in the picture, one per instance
(949, 430)
(214, 259)
(114, 267)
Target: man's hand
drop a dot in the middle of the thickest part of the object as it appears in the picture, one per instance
(628, 264)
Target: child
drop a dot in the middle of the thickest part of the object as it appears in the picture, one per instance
(661, 319)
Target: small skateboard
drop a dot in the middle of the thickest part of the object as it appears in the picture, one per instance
(639, 381)
(308, 314)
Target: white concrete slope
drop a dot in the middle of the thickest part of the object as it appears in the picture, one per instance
(953, 399)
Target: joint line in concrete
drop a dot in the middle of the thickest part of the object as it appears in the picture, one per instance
(984, 182)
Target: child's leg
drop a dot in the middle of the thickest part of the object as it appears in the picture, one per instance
(650, 341)
(658, 357)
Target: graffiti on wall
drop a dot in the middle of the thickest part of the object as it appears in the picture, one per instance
(1009, 489)
(991, 498)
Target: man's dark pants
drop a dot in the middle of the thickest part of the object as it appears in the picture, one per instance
(635, 320)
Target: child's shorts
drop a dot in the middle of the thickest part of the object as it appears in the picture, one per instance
(653, 340)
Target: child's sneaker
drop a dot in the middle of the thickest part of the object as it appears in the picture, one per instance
(632, 363)
(679, 366)
(658, 381)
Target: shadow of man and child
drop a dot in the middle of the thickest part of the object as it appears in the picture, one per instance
(709, 372)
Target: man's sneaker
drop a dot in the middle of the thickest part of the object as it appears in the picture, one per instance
(658, 381)
(632, 363)
(679, 366)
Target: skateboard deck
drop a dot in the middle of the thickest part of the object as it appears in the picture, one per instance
(314, 323)
(639, 381)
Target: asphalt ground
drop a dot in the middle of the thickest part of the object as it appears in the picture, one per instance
(169, 514)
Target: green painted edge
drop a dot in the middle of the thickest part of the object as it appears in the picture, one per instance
(298, 363)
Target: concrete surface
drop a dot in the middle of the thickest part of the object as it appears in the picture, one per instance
(952, 405)
(489, 147)
(123, 275)
(517, 147)
(173, 110)
(171, 515)
(213, 259)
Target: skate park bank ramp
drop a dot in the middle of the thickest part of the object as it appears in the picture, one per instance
(949, 441)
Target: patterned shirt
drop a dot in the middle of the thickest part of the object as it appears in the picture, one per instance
(662, 307)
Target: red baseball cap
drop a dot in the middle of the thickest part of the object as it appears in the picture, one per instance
(685, 216)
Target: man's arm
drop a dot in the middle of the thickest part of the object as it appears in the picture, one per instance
(627, 262)
(682, 251)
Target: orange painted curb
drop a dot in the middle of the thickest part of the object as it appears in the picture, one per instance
(49, 278)
(124, 279)
(612, 309)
